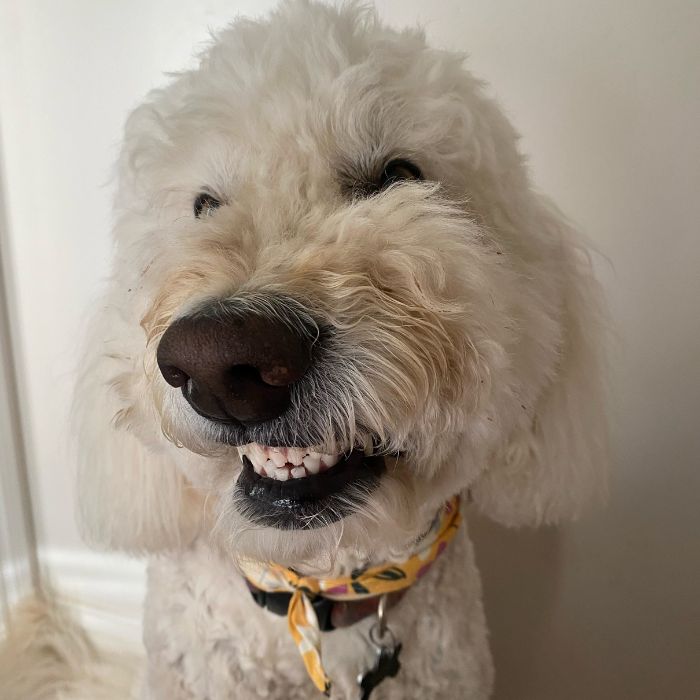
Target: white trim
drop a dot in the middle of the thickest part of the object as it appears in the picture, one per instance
(18, 563)
(16, 580)
(104, 591)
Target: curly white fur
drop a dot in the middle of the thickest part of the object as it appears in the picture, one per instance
(467, 331)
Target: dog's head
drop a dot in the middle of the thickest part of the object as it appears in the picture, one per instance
(336, 302)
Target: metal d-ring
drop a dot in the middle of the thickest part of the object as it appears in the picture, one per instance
(381, 614)
(380, 629)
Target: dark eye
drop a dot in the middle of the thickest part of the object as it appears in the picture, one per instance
(399, 170)
(205, 204)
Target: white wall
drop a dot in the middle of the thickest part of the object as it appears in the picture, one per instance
(607, 96)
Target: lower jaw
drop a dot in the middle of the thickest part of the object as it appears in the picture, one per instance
(311, 502)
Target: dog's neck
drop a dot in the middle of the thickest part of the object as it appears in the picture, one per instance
(345, 560)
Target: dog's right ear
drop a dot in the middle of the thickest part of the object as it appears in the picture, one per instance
(555, 460)
(131, 497)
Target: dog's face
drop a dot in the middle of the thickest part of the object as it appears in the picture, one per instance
(335, 289)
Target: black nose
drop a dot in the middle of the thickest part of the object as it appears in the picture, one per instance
(234, 366)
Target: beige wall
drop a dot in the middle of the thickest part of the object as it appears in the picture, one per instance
(607, 96)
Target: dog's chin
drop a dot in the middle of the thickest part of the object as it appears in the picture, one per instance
(300, 489)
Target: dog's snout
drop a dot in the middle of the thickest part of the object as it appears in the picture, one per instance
(234, 367)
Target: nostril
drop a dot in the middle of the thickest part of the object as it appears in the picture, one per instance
(250, 399)
(278, 375)
(241, 379)
(240, 376)
(174, 375)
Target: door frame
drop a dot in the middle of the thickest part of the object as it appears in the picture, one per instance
(19, 570)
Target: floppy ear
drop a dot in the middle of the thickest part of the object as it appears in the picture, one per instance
(550, 467)
(131, 496)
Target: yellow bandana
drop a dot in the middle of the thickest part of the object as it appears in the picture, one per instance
(374, 581)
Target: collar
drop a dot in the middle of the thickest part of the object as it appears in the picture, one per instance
(331, 614)
(315, 604)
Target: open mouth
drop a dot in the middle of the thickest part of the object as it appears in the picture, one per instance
(298, 488)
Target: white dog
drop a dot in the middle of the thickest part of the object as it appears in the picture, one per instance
(336, 304)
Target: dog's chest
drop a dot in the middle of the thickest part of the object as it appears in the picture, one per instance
(205, 636)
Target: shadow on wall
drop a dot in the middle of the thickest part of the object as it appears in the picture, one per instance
(520, 572)
(606, 608)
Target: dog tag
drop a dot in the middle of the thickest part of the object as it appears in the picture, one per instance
(386, 665)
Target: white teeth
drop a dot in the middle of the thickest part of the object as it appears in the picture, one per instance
(278, 457)
(284, 463)
(295, 455)
(255, 453)
(312, 462)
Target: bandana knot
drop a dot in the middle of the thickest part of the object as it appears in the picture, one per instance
(362, 583)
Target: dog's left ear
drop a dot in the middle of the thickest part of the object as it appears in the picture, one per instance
(556, 459)
(131, 496)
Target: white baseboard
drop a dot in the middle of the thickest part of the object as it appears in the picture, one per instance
(104, 591)
(15, 581)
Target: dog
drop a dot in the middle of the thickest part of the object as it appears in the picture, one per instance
(339, 319)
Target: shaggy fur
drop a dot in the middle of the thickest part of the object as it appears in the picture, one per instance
(465, 339)
(47, 656)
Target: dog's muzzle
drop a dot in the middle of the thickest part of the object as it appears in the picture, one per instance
(240, 364)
